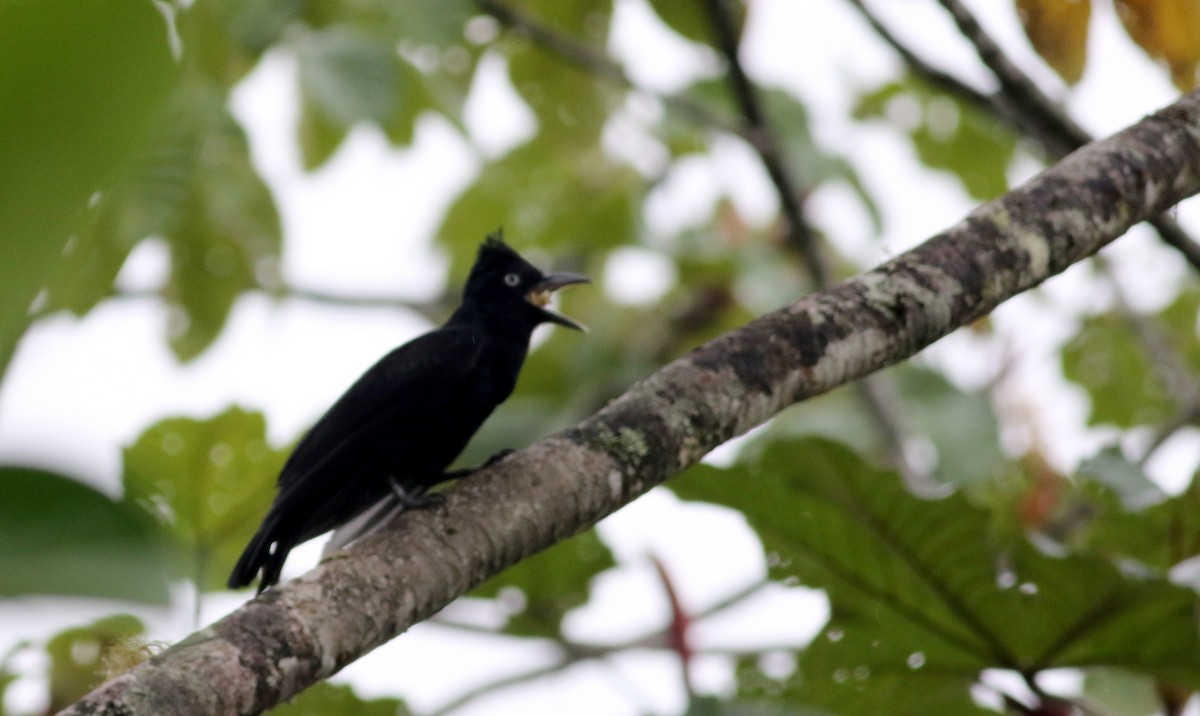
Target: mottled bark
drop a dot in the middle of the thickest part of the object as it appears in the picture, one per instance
(306, 630)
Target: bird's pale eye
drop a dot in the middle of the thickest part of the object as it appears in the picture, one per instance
(512, 280)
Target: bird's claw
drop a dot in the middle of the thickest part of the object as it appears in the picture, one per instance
(415, 499)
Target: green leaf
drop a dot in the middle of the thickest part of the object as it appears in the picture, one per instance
(59, 536)
(196, 188)
(691, 20)
(228, 233)
(348, 75)
(79, 656)
(547, 198)
(82, 84)
(923, 582)
(326, 699)
(1156, 533)
(947, 134)
(571, 104)
(1105, 359)
(209, 482)
(551, 583)
(224, 39)
(962, 426)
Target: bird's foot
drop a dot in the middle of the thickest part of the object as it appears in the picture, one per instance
(415, 498)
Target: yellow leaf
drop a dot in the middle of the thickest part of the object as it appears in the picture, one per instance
(1169, 31)
(1058, 30)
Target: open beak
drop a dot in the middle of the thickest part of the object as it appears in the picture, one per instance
(539, 296)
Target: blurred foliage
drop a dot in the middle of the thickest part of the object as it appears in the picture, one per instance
(116, 130)
(548, 585)
(208, 482)
(1058, 30)
(61, 60)
(947, 134)
(80, 657)
(59, 536)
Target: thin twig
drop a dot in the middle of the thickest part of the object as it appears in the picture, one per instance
(1049, 122)
(762, 138)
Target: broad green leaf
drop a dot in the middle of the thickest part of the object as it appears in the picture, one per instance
(550, 584)
(1058, 30)
(1105, 359)
(691, 19)
(544, 197)
(326, 699)
(209, 482)
(79, 657)
(918, 581)
(82, 84)
(59, 536)
(947, 134)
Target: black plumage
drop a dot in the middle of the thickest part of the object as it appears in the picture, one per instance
(398, 428)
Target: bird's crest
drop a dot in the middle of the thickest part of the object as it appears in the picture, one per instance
(494, 246)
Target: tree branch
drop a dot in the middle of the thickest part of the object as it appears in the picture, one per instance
(292, 636)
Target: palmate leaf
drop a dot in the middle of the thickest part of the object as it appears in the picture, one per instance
(924, 597)
(209, 482)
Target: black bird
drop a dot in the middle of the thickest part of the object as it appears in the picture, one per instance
(399, 427)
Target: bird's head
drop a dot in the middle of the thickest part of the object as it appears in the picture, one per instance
(501, 279)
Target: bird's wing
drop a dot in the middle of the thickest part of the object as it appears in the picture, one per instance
(372, 423)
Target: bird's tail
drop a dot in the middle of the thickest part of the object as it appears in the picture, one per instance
(259, 555)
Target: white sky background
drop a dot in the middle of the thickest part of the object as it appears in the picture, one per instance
(362, 226)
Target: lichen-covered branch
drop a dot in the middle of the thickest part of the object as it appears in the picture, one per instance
(304, 631)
